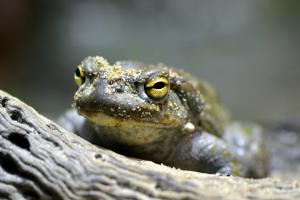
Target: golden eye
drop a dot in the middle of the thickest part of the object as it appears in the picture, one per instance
(157, 88)
(79, 75)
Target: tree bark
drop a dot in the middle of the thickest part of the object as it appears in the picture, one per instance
(41, 160)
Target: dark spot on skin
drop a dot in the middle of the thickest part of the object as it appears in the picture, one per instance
(137, 84)
(19, 140)
(119, 89)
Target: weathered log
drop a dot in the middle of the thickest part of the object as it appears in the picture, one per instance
(41, 160)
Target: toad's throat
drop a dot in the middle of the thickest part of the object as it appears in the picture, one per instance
(103, 119)
(132, 132)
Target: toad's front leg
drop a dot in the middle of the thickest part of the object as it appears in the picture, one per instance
(78, 124)
(207, 153)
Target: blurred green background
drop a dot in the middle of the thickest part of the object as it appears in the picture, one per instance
(248, 49)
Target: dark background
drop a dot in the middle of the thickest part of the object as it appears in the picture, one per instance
(248, 49)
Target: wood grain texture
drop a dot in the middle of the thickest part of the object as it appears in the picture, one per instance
(40, 160)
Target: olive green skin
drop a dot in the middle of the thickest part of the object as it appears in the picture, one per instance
(188, 128)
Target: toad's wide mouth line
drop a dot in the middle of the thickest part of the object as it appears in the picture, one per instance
(106, 120)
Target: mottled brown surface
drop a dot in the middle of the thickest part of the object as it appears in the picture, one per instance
(40, 160)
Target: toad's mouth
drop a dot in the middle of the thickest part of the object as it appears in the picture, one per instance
(129, 131)
(103, 119)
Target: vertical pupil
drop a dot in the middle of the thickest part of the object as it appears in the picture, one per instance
(77, 72)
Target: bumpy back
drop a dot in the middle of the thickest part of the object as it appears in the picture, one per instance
(212, 116)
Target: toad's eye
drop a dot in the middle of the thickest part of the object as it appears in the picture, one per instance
(79, 75)
(157, 88)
